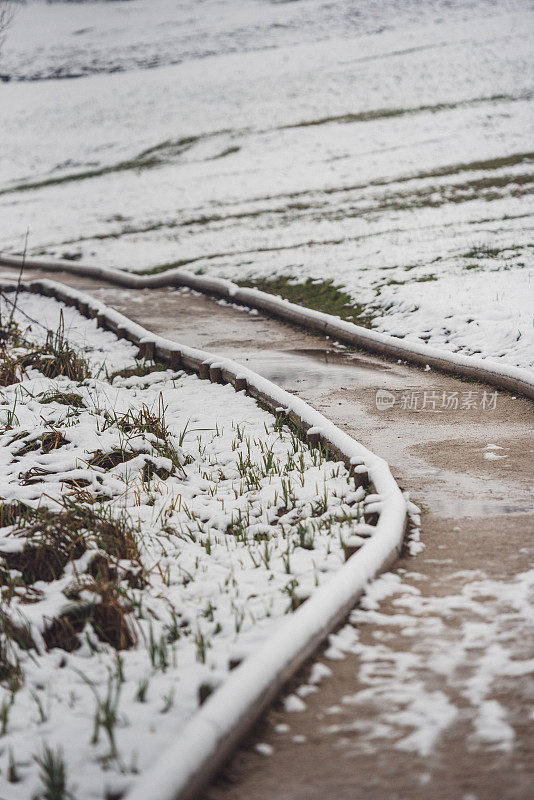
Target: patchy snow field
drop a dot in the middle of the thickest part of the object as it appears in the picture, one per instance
(173, 524)
(386, 146)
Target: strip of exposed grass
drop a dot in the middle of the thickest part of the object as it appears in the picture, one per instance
(136, 163)
(318, 295)
(385, 113)
(148, 159)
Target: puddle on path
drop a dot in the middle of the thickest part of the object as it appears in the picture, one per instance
(318, 368)
(341, 357)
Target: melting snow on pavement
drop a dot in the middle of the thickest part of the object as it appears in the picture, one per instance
(422, 668)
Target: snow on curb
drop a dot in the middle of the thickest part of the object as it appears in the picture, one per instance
(214, 732)
(504, 376)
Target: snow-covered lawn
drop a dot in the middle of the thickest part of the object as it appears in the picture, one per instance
(154, 528)
(385, 146)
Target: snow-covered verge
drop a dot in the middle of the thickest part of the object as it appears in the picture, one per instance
(385, 146)
(153, 528)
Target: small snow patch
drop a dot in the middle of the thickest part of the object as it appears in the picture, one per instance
(264, 749)
(491, 726)
(294, 703)
(318, 672)
(282, 728)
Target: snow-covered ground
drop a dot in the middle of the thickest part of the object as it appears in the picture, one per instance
(229, 522)
(386, 146)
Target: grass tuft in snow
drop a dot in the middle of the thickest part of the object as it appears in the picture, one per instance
(53, 776)
(53, 359)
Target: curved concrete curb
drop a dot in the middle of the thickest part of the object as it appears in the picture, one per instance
(503, 376)
(210, 737)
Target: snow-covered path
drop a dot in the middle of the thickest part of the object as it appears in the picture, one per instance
(434, 693)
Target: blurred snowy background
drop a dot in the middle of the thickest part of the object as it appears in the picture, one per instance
(386, 146)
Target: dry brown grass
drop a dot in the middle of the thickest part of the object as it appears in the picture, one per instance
(52, 539)
(107, 613)
(53, 359)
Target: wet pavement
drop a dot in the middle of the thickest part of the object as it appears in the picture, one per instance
(418, 706)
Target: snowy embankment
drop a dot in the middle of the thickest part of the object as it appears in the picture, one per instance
(155, 530)
(493, 372)
(387, 148)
